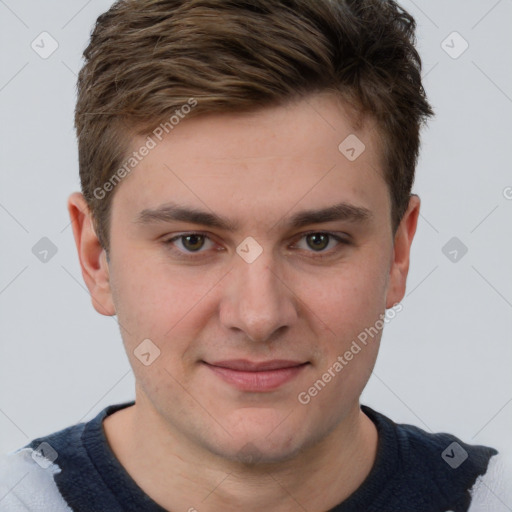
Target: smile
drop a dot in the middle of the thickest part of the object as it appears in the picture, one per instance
(256, 376)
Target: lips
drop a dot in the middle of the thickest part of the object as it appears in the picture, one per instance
(256, 376)
(244, 365)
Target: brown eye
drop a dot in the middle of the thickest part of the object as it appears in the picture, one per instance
(192, 242)
(318, 241)
(321, 244)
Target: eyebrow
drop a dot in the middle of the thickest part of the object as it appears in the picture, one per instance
(171, 212)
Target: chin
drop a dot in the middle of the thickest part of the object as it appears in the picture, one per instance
(260, 452)
(272, 443)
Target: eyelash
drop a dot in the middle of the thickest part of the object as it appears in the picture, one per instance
(197, 255)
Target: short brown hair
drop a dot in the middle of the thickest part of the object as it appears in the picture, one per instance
(148, 58)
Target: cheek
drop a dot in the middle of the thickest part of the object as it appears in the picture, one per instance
(350, 298)
(156, 301)
(353, 309)
(338, 386)
(350, 303)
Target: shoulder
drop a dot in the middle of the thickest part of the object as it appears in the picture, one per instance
(59, 472)
(492, 491)
(440, 464)
(28, 475)
(27, 482)
(443, 452)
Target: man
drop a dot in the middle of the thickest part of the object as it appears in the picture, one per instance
(246, 213)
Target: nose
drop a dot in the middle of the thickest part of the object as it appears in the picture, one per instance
(258, 301)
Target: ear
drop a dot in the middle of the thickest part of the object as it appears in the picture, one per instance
(401, 252)
(92, 256)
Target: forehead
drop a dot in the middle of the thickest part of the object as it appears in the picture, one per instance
(263, 164)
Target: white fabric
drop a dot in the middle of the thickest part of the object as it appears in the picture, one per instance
(26, 486)
(492, 492)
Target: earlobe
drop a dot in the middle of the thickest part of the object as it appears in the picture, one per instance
(92, 256)
(401, 252)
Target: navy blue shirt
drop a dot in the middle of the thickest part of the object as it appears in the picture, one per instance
(76, 468)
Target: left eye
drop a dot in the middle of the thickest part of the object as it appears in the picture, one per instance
(320, 241)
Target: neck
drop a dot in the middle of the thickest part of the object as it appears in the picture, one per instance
(179, 475)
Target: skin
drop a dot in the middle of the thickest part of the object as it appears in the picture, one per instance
(193, 441)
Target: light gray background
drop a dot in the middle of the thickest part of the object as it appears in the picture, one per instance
(445, 362)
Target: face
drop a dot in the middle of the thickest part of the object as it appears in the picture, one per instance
(253, 303)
